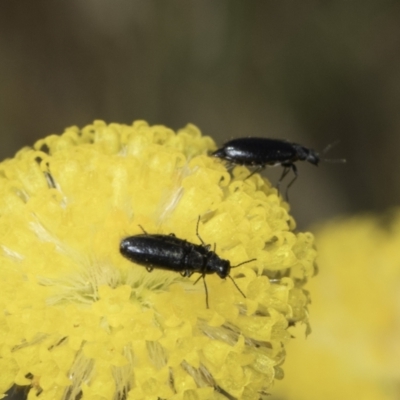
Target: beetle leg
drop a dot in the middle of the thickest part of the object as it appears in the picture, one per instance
(259, 168)
(197, 279)
(294, 169)
(230, 165)
(237, 287)
(149, 269)
(187, 273)
(286, 169)
(205, 286)
(206, 290)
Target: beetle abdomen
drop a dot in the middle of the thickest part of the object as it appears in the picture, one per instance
(161, 251)
(257, 151)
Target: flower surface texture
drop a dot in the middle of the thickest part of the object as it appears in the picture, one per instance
(80, 321)
(354, 349)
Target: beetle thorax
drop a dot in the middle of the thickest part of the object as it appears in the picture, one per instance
(195, 260)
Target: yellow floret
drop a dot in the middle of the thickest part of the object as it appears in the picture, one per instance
(81, 321)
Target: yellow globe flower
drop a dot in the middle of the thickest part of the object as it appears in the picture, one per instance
(79, 321)
(354, 349)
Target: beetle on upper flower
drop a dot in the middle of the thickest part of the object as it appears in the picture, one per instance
(260, 152)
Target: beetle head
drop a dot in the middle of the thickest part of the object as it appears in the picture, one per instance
(312, 157)
(305, 154)
(219, 266)
(220, 153)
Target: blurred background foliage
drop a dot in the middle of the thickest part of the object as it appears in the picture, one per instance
(310, 72)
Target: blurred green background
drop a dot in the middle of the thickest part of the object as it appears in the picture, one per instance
(310, 72)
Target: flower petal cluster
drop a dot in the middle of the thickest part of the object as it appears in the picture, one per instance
(79, 321)
(354, 350)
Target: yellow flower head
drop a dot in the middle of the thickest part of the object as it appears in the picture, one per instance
(80, 321)
(354, 350)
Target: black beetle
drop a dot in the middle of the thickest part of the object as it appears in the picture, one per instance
(173, 254)
(260, 152)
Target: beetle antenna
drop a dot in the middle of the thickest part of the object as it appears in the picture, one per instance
(235, 266)
(244, 262)
(197, 232)
(328, 148)
(237, 287)
(335, 160)
(141, 227)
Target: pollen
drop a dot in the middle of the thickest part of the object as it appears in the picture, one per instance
(80, 321)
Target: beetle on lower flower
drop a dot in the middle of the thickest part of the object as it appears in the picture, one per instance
(79, 321)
